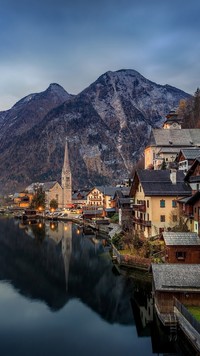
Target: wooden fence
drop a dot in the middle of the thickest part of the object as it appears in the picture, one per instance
(131, 261)
(188, 316)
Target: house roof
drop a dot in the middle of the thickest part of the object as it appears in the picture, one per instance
(191, 171)
(181, 238)
(45, 186)
(176, 277)
(158, 182)
(191, 200)
(190, 153)
(83, 194)
(170, 150)
(106, 190)
(122, 192)
(170, 137)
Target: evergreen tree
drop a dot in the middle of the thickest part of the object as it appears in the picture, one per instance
(53, 204)
(38, 200)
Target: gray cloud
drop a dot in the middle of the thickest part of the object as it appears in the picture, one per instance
(73, 42)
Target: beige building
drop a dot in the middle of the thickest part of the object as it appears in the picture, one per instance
(101, 197)
(165, 144)
(155, 194)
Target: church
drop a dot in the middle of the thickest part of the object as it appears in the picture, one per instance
(53, 190)
(165, 143)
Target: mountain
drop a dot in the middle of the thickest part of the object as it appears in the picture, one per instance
(107, 126)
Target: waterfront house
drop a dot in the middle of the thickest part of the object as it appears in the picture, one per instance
(79, 198)
(122, 203)
(22, 199)
(155, 194)
(100, 197)
(181, 281)
(181, 247)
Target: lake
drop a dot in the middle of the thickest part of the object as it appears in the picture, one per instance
(61, 294)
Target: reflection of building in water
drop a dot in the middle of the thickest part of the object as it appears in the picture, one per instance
(142, 306)
(146, 312)
(67, 248)
(54, 230)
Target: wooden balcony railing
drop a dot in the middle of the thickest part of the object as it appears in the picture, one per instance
(139, 207)
(142, 222)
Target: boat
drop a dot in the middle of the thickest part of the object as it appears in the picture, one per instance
(29, 215)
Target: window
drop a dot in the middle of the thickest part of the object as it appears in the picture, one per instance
(174, 203)
(180, 255)
(147, 203)
(162, 218)
(162, 203)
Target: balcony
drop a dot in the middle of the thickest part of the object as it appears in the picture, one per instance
(142, 222)
(139, 207)
(95, 199)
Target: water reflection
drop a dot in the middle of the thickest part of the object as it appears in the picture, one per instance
(60, 290)
(60, 264)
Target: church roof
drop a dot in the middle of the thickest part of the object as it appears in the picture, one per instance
(178, 138)
(45, 186)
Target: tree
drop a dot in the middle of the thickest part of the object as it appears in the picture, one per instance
(163, 165)
(53, 204)
(177, 221)
(38, 200)
(189, 111)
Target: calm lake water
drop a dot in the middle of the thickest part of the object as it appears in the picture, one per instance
(60, 294)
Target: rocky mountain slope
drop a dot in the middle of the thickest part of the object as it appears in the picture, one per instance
(107, 126)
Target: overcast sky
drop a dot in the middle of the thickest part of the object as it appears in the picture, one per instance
(73, 42)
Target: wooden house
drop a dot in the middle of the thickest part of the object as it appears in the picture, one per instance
(181, 281)
(186, 158)
(181, 247)
(190, 209)
(193, 175)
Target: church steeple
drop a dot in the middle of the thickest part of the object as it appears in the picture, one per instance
(173, 121)
(66, 178)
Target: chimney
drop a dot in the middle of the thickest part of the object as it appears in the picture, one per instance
(173, 177)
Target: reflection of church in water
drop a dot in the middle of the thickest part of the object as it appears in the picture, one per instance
(62, 233)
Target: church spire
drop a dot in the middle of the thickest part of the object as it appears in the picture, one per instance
(66, 164)
(66, 178)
